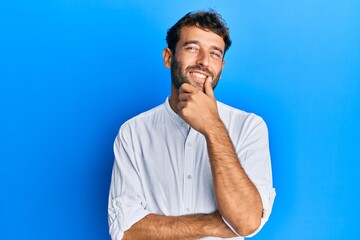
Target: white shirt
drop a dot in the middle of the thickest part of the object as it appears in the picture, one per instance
(162, 166)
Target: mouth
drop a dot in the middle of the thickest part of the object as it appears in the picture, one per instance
(199, 75)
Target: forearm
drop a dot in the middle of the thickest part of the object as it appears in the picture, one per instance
(237, 197)
(181, 227)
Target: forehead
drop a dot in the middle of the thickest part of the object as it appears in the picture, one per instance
(194, 33)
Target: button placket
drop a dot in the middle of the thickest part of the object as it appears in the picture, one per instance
(188, 174)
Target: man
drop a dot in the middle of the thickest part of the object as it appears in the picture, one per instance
(192, 167)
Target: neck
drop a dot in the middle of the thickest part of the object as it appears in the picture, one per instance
(174, 98)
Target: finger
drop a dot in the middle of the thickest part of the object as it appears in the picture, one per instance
(180, 106)
(186, 88)
(183, 96)
(208, 87)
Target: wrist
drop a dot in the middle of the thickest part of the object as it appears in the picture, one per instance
(215, 129)
(209, 225)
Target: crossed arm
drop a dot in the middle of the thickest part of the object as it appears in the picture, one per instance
(182, 227)
(238, 200)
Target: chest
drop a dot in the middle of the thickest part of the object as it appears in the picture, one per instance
(176, 174)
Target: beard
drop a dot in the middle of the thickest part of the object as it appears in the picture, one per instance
(178, 76)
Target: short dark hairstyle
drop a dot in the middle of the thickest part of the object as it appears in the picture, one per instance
(206, 20)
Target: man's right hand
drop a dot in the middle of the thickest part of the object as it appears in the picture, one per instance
(181, 227)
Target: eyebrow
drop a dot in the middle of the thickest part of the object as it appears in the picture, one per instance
(198, 43)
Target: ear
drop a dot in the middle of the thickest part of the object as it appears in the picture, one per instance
(167, 56)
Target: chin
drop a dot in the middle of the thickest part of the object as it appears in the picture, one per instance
(200, 88)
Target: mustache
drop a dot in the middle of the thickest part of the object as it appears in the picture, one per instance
(192, 68)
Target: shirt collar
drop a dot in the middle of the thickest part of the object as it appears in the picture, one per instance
(178, 120)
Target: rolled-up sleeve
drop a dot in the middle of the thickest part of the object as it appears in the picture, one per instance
(253, 152)
(126, 202)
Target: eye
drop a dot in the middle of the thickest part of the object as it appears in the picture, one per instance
(192, 49)
(216, 54)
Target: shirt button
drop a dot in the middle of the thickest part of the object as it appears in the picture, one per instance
(118, 204)
(189, 144)
(188, 210)
(189, 177)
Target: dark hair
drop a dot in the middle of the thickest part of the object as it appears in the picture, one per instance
(206, 20)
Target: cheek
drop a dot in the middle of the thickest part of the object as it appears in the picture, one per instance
(217, 68)
(221, 66)
(187, 59)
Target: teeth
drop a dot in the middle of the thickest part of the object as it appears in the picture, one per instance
(198, 75)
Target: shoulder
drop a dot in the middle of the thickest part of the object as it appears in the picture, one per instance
(241, 122)
(231, 113)
(144, 118)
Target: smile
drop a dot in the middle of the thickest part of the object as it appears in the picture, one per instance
(198, 75)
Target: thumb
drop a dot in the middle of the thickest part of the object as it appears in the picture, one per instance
(208, 87)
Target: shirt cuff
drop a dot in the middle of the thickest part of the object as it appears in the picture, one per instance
(123, 216)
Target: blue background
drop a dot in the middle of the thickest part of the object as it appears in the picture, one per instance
(71, 72)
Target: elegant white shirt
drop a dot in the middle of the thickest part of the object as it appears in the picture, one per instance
(162, 166)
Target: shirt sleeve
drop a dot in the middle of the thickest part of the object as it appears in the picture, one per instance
(126, 202)
(253, 151)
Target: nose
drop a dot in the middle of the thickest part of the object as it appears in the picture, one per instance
(203, 59)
